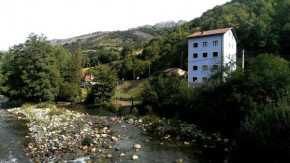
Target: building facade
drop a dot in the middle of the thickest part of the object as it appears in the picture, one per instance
(208, 51)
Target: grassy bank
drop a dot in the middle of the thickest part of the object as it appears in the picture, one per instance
(128, 89)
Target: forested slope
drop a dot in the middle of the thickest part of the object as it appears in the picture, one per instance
(261, 26)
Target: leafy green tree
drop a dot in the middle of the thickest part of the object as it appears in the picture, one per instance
(105, 85)
(126, 51)
(76, 67)
(32, 73)
(63, 59)
(160, 94)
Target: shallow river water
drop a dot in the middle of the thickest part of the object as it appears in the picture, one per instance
(13, 131)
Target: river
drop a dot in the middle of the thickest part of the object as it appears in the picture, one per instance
(13, 132)
(12, 137)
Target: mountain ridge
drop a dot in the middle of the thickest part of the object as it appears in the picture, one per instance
(144, 35)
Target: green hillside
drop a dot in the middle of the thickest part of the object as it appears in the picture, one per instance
(261, 26)
(105, 47)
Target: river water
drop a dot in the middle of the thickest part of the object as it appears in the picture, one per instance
(13, 132)
(12, 137)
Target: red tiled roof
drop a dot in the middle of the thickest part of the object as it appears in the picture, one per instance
(88, 78)
(212, 32)
(169, 69)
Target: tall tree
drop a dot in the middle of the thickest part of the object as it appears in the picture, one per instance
(32, 74)
(105, 85)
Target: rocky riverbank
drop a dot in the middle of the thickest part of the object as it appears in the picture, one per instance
(59, 134)
(186, 134)
(64, 135)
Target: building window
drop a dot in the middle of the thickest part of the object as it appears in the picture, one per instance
(204, 67)
(194, 68)
(215, 43)
(195, 45)
(204, 55)
(215, 67)
(204, 79)
(194, 79)
(204, 44)
(229, 44)
(195, 55)
(215, 54)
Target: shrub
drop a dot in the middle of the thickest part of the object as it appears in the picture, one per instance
(149, 119)
(271, 126)
(45, 105)
(87, 141)
(56, 111)
(135, 111)
(27, 106)
(160, 94)
(69, 92)
(155, 125)
(130, 116)
(111, 106)
(62, 132)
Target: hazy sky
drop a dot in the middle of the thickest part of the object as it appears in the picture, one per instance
(59, 19)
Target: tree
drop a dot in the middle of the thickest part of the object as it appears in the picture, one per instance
(32, 73)
(126, 51)
(76, 67)
(160, 94)
(71, 72)
(105, 85)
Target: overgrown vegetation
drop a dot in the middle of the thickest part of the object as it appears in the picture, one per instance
(257, 98)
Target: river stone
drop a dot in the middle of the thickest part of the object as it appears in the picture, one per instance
(85, 147)
(114, 139)
(179, 161)
(104, 135)
(135, 157)
(122, 154)
(137, 146)
(109, 156)
(93, 150)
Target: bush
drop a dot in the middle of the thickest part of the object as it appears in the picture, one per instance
(45, 105)
(155, 125)
(56, 111)
(135, 111)
(130, 116)
(264, 135)
(27, 106)
(69, 92)
(271, 126)
(87, 141)
(111, 106)
(149, 119)
(160, 94)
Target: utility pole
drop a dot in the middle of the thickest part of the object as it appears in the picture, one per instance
(181, 60)
(149, 66)
(243, 60)
(134, 73)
